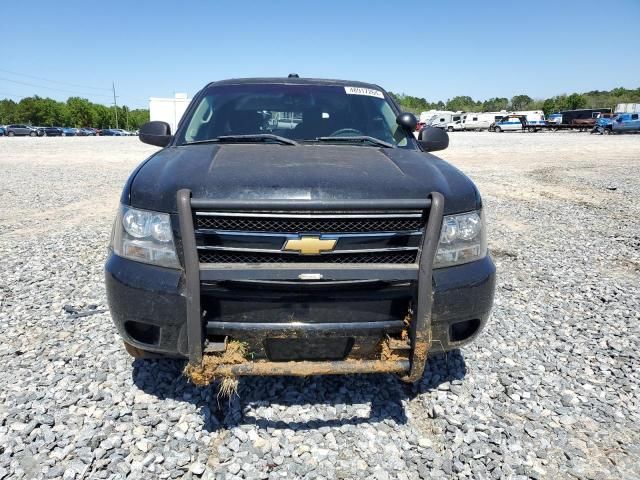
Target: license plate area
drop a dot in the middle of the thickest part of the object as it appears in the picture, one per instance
(318, 349)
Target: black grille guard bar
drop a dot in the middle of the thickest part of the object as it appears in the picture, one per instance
(421, 273)
(302, 204)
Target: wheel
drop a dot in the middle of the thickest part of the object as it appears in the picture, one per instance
(11, 134)
(608, 131)
(531, 129)
(63, 134)
(450, 129)
(498, 130)
(32, 134)
(136, 352)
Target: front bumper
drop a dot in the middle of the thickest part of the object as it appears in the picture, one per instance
(349, 319)
(146, 294)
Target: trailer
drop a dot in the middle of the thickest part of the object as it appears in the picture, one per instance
(628, 108)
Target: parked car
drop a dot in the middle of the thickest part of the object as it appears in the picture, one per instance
(339, 244)
(86, 132)
(52, 131)
(621, 123)
(17, 130)
(2, 132)
(69, 131)
(111, 132)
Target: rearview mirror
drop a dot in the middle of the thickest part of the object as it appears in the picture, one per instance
(408, 121)
(156, 133)
(432, 139)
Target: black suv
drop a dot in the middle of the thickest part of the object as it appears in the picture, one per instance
(301, 218)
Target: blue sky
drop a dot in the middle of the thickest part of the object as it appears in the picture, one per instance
(432, 49)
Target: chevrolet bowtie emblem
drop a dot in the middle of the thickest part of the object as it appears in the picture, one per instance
(309, 245)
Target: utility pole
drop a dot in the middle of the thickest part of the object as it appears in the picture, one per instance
(114, 102)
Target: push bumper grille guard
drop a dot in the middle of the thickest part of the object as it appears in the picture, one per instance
(419, 272)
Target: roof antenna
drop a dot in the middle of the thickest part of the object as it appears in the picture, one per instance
(294, 75)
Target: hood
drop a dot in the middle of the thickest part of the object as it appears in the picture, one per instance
(305, 172)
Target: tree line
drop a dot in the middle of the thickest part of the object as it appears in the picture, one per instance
(592, 99)
(75, 112)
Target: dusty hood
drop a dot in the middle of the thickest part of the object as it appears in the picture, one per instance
(306, 172)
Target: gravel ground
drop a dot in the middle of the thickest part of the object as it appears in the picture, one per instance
(550, 390)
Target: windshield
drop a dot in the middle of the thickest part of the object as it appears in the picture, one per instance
(304, 113)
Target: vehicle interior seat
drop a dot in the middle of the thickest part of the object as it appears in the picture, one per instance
(313, 125)
(244, 122)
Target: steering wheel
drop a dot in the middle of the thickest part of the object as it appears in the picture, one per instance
(342, 131)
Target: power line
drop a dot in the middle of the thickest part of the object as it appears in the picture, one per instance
(53, 81)
(12, 95)
(54, 88)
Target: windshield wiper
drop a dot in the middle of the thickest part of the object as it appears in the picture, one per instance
(256, 137)
(358, 139)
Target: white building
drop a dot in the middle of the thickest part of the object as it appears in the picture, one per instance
(168, 110)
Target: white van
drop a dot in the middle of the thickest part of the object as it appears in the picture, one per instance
(481, 121)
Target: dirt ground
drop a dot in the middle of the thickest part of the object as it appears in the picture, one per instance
(550, 388)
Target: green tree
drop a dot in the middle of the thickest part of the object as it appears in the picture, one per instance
(7, 111)
(462, 103)
(103, 117)
(495, 104)
(575, 101)
(81, 112)
(521, 102)
(549, 106)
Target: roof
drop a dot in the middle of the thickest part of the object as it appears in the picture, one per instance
(294, 81)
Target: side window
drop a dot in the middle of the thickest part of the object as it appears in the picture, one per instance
(634, 116)
(475, 119)
(390, 119)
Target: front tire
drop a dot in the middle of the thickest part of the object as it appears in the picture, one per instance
(32, 134)
(608, 131)
(11, 134)
(498, 130)
(450, 129)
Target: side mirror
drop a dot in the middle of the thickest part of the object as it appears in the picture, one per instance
(432, 139)
(156, 133)
(408, 121)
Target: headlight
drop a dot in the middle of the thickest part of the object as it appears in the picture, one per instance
(463, 239)
(144, 236)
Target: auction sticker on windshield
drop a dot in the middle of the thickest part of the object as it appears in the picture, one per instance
(363, 91)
